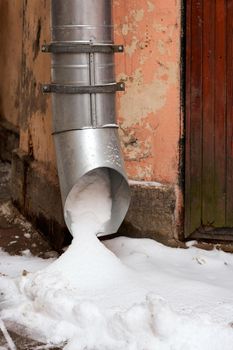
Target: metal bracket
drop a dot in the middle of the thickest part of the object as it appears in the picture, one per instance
(90, 89)
(77, 47)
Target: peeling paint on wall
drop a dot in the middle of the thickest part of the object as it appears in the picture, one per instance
(149, 109)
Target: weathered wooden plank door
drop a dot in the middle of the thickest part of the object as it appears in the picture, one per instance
(209, 119)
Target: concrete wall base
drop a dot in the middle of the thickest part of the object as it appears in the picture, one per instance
(37, 196)
(9, 140)
(152, 213)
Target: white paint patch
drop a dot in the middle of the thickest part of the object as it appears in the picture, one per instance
(138, 15)
(150, 6)
(145, 183)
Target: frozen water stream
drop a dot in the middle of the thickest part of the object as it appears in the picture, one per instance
(126, 294)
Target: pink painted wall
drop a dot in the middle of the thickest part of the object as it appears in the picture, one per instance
(149, 109)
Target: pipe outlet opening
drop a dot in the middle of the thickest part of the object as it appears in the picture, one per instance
(101, 195)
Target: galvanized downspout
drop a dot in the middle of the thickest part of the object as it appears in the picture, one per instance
(83, 99)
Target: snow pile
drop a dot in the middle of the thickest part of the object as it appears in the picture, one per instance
(108, 296)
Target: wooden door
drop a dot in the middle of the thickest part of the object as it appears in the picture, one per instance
(209, 119)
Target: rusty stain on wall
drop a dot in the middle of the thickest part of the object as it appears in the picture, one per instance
(36, 43)
(33, 100)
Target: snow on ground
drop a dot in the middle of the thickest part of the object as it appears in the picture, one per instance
(173, 299)
(123, 294)
(14, 266)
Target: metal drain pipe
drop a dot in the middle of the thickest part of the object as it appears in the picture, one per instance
(83, 99)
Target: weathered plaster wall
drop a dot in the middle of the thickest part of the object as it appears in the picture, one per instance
(35, 108)
(149, 110)
(10, 60)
